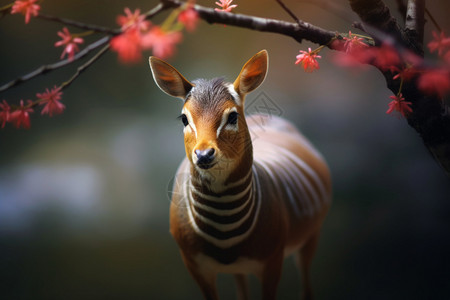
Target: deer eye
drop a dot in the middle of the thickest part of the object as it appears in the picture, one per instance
(232, 118)
(184, 119)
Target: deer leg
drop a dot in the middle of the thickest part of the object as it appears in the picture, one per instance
(242, 286)
(205, 279)
(304, 259)
(271, 277)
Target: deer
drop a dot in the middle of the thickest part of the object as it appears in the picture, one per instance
(250, 192)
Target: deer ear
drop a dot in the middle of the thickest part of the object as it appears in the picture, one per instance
(252, 74)
(168, 79)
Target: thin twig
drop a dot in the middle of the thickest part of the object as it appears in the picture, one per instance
(359, 25)
(47, 68)
(293, 16)
(332, 8)
(84, 66)
(433, 20)
(81, 25)
(157, 9)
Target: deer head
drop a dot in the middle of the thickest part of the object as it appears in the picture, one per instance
(216, 137)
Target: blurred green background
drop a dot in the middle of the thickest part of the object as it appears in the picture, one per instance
(83, 196)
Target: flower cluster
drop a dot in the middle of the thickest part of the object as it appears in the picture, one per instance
(27, 8)
(139, 34)
(308, 60)
(355, 50)
(399, 104)
(19, 116)
(69, 41)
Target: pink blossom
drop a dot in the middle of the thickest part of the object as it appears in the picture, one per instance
(162, 42)
(308, 60)
(70, 42)
(51, 101)
(4, 113)
(26, 7)
(399, 104)
(354, 43)
(405, 74)
(189, 18)
(133, 20)
(128, 46)
(21, 116)
(225, 4)
(440, 43)
(435, 82)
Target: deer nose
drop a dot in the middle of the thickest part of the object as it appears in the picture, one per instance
(205, 157)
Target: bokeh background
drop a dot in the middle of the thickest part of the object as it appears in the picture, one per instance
(84, 210)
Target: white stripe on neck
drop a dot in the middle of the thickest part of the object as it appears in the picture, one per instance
(227, 243)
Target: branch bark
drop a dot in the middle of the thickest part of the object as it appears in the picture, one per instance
(415, 21)
(298, 31)
(430, 117)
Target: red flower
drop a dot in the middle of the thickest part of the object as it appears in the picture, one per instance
(70, 42)
(308, 60)
(435, 82)
(21, 116)
(225, 4)
(439, 43)
(405, 74)
(133, 20)
(128, 46)
(4, 113)
(163, 43)
(27, 8)
(399, 104)
(353, 43)
(51, 101)
(189, 18)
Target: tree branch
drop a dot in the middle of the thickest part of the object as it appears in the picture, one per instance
(415, 20)
(112, 32)
(290, 13)
(84, 66)
(377, 15)
(47, 68)
(297, 31)
(80, 25)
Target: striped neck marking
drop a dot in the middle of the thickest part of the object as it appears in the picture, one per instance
(225, 223)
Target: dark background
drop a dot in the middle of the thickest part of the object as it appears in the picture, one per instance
(83, 195)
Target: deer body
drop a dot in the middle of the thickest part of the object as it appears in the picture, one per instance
(250, 192)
